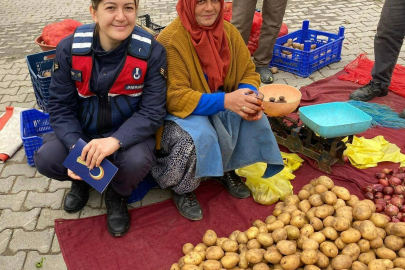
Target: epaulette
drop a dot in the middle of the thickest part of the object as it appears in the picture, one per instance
(141, 44)
(83, 39)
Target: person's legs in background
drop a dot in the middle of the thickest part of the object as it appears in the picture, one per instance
(387, 45)
(273, 13)
(243, 12)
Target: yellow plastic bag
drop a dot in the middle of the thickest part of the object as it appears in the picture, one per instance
(365, 153)
(269, 190)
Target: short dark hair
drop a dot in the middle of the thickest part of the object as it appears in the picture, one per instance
(96, 3)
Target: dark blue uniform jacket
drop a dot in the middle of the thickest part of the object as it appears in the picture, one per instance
(130, 119)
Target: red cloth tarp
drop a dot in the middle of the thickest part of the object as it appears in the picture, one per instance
(158, 232)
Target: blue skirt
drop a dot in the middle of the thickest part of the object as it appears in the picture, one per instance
(225, 142)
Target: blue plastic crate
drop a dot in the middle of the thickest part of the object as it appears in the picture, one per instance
(38, 64)
(33, 125)
(144, 186)
(335, 119)
(304, 63)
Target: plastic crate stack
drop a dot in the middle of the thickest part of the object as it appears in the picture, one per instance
(304, 63)
(39, 66)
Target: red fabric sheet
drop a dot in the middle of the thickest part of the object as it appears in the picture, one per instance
(158, 232)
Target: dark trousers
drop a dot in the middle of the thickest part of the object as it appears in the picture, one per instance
(272, 12)
(133, 163)
(388, 40)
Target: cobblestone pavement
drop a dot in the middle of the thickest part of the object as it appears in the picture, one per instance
(29, 202)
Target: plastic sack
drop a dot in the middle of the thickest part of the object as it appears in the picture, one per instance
(365, 153)
(228, 11)
(269, 190)
(53, 33)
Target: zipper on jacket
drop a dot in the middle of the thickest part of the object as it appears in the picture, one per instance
(104, 114)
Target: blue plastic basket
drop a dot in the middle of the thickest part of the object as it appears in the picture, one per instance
(335, 119)
(38, 64)
(33, 125)
(304, 63)
(144, 186)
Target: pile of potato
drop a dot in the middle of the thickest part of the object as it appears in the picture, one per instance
(323, 227)
(295, 45)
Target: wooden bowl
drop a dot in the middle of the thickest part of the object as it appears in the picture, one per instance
(44, 47)
(291, 94)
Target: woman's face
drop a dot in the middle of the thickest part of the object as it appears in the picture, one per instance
(207, 11)
(116, 20)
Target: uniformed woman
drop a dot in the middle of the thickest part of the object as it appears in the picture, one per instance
(108, 88)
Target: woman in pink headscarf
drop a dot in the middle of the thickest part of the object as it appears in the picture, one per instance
(215, 122)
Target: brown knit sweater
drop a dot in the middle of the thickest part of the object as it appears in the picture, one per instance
(186, 82)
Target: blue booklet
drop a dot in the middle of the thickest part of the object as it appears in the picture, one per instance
(98, 177)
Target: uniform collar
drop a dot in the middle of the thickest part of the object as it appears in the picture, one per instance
(100, 52)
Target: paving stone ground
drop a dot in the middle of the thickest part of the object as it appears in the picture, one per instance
(29, 202)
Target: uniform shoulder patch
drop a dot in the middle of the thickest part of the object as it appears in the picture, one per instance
(55, 66)
(163, 72)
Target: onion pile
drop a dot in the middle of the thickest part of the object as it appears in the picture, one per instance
(388, 194)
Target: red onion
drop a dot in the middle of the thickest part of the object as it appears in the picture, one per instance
(387, 197)
(388, 190)
(397, 201)
(391, 210)
(378, 195)
(394, 181)
(387, 171)
(395, 220)
(399, 190)
(381, 175)
(401, 176)
(379, 208)
(383, 182)
(380, 201)
(368, 188)
(399, 215)
(403, 218)
(378, 187)
(401, 170)
(369, 195)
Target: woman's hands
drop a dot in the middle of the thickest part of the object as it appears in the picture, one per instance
(96, 150)
(240, 102)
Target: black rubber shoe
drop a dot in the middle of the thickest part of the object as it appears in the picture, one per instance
(188, 205)
(369, 91)
(265, 75)
(402, 114)
(77, 197)
(118, 218)
(234, 185)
